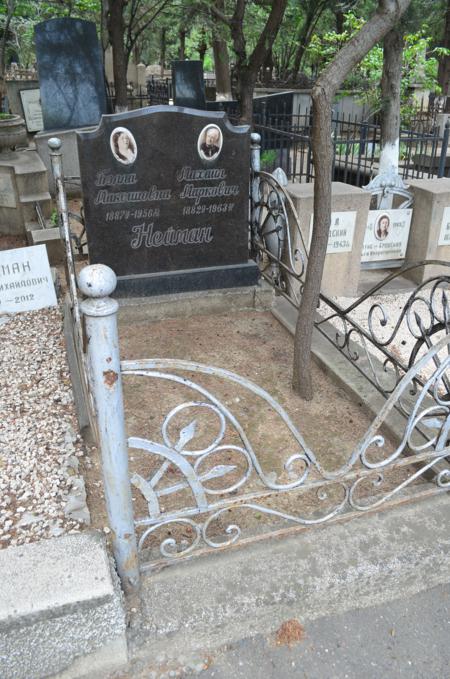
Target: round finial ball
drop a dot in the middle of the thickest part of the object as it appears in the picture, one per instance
(54, 143)
(255, 137)
(97, 280)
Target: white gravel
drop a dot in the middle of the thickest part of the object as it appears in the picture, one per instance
(39, 446)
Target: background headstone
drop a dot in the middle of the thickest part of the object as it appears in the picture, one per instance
(70, 73)
(188, 84)
(168, 213)
(25, 280)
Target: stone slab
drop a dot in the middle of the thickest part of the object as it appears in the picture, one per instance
(188, 84)
(71, 74)
(61, 610)
(66, 570)
(168, 193)
(51, 238)
(184, 304)
(342, 269)
(210, 278)
(431, 197)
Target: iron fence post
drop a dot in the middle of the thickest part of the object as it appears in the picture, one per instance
(444, 147)
(97, 282)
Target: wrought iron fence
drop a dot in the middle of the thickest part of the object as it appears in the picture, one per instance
(136, 97)
(286, 143)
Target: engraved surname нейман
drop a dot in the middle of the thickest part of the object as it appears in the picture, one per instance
(147, 236)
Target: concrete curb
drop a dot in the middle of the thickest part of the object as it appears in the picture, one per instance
(220, 599)
(61, 610)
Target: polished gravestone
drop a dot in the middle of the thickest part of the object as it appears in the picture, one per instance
(188, 84)
(165, 195)
(71, 77)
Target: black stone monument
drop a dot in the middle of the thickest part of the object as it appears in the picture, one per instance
(71, 75)
(188, 84)
(166, 195)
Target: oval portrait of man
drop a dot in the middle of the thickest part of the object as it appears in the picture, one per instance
(210, 142)
(382, 226)
(123, 145)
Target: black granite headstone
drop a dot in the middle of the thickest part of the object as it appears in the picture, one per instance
(165, 195)
(71, 75)
(188, 84)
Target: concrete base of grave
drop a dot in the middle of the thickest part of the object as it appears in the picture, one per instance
(431, 197)
(23, 183)
(135, 309)
(69, 150)
(61, 611)
(342, 269)
(189, 280)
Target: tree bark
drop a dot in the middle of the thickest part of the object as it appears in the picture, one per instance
(323, 93)
(390, 100)
(162, 50)
(314, 12)
(116, 30)
(182, 48)
(247, 66)
(221, 58)
(10, 7)
(444, 62)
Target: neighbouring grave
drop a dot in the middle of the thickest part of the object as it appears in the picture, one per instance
(25, 280)
(188, 84)
(350, 207)
(70, 73)
(430, 226)
(72, 86)
(165, 195)
(32, 109)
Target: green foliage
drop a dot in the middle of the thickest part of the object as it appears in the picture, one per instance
(420, 64)
(268, 159)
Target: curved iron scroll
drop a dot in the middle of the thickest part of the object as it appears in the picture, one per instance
(245, 486)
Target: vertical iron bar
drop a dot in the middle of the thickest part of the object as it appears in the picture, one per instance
(443, 158)
(97, 282)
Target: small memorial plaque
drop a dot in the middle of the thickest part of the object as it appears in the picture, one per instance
(32, 109)
(341, 234)
(7, 193)
(25, 280)
(165, 195)
(386, 236)
(444, 234)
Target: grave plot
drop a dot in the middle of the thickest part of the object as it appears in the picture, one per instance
(254, 345)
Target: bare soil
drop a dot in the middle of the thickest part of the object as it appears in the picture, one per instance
(256, 346)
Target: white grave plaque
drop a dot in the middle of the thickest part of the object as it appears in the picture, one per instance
(32, 109)
(25, 280)
(7, 194)
(341, 234)
(386, 236)
(444, 234)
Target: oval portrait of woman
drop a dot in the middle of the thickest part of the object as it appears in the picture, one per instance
(382, 227)
(210, 142)
(123, 145)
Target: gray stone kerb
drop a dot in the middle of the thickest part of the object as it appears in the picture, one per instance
(60, 602)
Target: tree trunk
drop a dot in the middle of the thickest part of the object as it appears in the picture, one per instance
(9, 15)
(246, 85)
(221, 56)
(116, 30)
(162, 50)
(340, 18)
(331, 78)
(203, 46)
(390, 101)
(444, 62)
(182, 48)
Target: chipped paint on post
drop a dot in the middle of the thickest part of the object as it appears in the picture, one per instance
(97, 282)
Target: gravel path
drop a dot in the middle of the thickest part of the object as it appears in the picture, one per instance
(41, 493)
